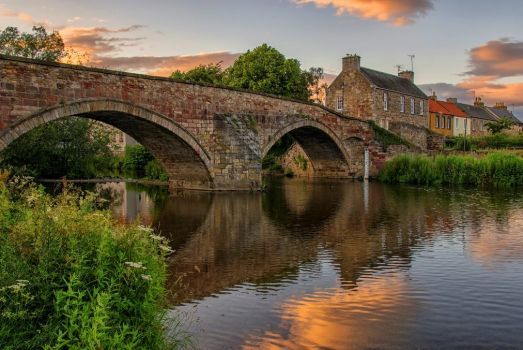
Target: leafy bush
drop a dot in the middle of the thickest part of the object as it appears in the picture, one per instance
(70, 278)
(154, 171)
(496, 169)
(135, 160)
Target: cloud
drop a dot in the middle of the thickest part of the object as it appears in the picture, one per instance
(99, 40)
(21, 16)
(497, 58)
(164, 66)
(397, 12)
(489, 64)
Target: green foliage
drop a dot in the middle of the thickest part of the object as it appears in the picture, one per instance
(264, 69)
(155, 171)
(38, 45)
(135, 160)
(71, 147)
(280, 147)
(385, 137)
(301, 162)
(208, 74)
(494, 141)
(496, 169)
(71, 278)
(498, 126)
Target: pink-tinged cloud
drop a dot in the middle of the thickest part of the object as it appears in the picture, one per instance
(21, 16)
(99, 40)
(499, 58)
(164, 66)
(397, 12)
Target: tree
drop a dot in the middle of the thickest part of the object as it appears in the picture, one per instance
(38, 45)
(72, 147)
(265, 69)
(316, 87)
(209, 74)
(498, 126)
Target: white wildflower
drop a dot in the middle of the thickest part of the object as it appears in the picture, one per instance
(145, 228)
(135, 265)
(146, 277)
(166, 248)
(157, 237)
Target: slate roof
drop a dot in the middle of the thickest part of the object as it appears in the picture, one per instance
(504, 113)
(392, 83)
(475, 112)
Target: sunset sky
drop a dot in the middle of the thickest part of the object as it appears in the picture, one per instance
(460, 46)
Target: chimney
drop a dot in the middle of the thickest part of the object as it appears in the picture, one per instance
(407, 74)
(351, 62)
(500, 105)
(478, 102)
(433, 97)
(452, 100)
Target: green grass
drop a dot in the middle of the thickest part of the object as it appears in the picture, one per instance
(71, 278)
(495, 141)
(498, 169)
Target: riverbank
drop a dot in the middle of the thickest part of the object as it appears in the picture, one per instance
(106, 180)
(71, 277)
(498, 169)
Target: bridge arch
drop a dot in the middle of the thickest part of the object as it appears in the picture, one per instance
(327, 153)
(185, 160)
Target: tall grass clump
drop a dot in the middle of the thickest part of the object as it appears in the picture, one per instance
(498, 169)
(71, 278)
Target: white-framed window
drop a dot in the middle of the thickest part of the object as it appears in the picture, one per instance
(402, 104)
(421, 107)
(443, 122)
(437, 122)
(456, 123)
(412, 106)
(385, 101)
(449, 120)
(339, 103)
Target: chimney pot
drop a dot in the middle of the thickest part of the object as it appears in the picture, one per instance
(407, 74)
(351, 62)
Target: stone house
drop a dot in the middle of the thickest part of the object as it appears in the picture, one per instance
(500, 111)
(477, 116)
(393, 102)
(445, 118)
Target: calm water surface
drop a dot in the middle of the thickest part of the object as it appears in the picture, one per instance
(341, 265)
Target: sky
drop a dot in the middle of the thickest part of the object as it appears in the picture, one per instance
(462, 48)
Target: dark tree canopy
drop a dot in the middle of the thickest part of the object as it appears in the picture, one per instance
(38, 45)
(263, 69)
(209, 74)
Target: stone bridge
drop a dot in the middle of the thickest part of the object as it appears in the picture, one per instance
(206, 137)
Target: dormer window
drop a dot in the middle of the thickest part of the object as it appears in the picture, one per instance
(339, 103)
(385, 101)
(412, 106)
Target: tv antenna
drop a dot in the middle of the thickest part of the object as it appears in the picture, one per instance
(399, 66)
(412, 62)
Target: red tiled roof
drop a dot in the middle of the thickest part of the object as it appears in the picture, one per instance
(453, 109)
(445, 108)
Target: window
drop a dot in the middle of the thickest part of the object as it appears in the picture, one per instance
(421, 107)
(443, 122)
(449, 120)
(437, 122)
(456, 123)
(384, 123)
(339, 103)
(412, 106)
(402, 104)
(385, 101)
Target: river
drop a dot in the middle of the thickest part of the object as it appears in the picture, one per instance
(340, 264)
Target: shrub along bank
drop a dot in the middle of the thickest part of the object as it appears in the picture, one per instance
(71, 278)
(498, 169)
